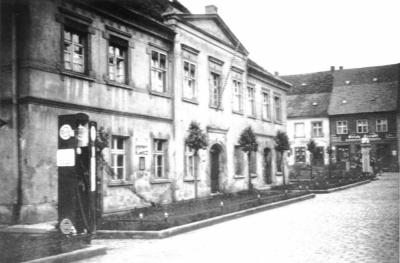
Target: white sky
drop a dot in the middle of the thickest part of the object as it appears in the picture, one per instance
(301, 36)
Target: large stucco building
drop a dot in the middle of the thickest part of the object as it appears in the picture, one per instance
(143, 77)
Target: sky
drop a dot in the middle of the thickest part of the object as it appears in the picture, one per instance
(302, 36)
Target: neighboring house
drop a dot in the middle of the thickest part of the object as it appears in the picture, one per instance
(141, 78)
(219, 87)
(307, 116)
(364, 103)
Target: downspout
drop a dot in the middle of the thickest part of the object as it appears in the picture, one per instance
(16, 113)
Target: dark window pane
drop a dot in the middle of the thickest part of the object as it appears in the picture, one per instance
(120, 160)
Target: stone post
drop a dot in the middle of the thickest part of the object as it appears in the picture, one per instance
(365, 158)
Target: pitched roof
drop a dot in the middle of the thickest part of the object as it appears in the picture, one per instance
(308, 105)
(364, 98)
(253, 67)
(318, 82)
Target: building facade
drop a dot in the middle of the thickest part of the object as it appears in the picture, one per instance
(143, 80)
(308, 119)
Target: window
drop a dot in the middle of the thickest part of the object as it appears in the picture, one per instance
(341, 127)
(316, 129)
(142, 163)
(117, 60)
(251, 104)
(159, 150)
(238, 159)
(158, 71)
(118, 157)
(237, 91)
(266, 107)
(75, 49)
(278, 161)
(299, 130)
(278, 108)
(300, 154)
(189, 80)
(253, 163)
(362, 126)
(381, 125)
(189, 162)
(215, 90)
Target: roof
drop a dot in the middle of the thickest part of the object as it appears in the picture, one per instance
(318, 82)
(253, 67)
(364, 98)
(308, 105)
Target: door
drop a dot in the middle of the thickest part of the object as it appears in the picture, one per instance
(267, 166)
(215, 153)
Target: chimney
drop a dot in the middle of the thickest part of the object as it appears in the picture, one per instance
(340, 67)
(211, 9)
(332, 68)
(276, 73)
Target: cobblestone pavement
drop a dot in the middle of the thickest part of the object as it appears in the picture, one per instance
(360, 224)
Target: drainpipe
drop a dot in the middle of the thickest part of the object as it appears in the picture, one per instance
(16, 113)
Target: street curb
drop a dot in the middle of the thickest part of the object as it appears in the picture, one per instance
(132, 234)
(330, 190)
(91, 251)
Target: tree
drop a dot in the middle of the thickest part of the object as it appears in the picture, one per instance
(312, 148)
(282, 145)
(196, 140)
(248, 143)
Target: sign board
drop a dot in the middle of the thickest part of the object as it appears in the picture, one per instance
(65, 157)
(142, 146)
(66, 132)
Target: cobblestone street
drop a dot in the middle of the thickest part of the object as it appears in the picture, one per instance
(360, 224)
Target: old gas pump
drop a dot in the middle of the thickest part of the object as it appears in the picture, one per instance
(76, 161)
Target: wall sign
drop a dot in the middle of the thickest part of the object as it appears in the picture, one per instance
(142, 146)
(66, 132)
(65, 157)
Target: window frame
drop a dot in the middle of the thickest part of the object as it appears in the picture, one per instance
(162, 153)
(215, 67)
(360, 124)
(386, 125)
(238, 160)
(237, 91)
(344, 128)
(295, 130)
(194, 79)
(115, 152)
(266, 105)
(189, 153)
(158, 69)
(276, 107)
(112, 41)
(303, 150)
(251, 101)
(315, 135)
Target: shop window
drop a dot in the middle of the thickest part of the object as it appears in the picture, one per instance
(300, 154)
(158, 71)
(118, 157)
(341, 127)
(381, 125)
(362, 126)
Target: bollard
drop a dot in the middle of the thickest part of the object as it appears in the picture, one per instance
(222, 206)
(141, 218)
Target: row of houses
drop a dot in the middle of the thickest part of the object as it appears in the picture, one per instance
(337, 108)
(143, 72)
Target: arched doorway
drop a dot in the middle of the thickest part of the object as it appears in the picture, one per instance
(215, 165)
(267, 157)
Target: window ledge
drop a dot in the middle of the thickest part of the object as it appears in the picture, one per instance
(253, 175)
(237, 112)
(193, 101)
(278, 122)
(190, 179)
(216, 108)
(239, 176)
(160, 181)
(77, 75)
(118, 85)
(252, 117)
(114, 183)
(279, 173)
(160, 94)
